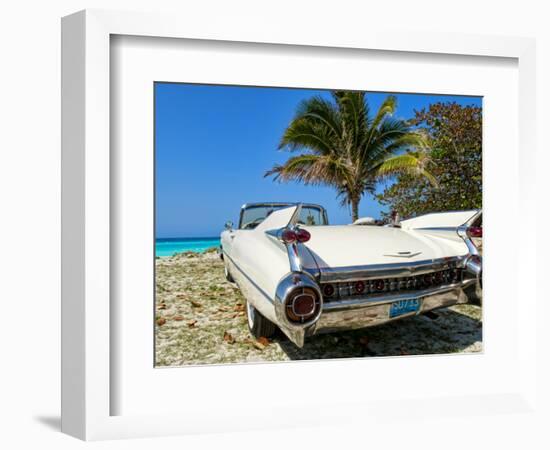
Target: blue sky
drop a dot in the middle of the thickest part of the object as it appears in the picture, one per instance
(214, 144)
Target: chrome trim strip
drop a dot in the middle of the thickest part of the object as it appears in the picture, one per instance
(392, 297)
(249, 279)
(463, 233)
(275, 233)
(405, 269)
(294, 257)
(292, 249)
(435, 229)
(403, 255)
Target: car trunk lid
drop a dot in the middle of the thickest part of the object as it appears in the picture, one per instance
(353, 245)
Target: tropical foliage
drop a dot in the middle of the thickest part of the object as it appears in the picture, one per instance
(342, 145)
(454, 134)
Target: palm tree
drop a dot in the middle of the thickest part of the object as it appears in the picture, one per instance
(343, 146)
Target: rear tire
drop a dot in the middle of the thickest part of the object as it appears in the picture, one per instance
(473, 297)
(228, 276)
(258, 325)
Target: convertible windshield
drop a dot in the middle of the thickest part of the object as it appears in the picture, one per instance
(253, 215)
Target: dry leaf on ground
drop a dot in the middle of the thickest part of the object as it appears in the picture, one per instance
(264, 341)
(258, 345)
(227, 337)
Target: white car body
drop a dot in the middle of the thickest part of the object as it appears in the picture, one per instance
(425, 264)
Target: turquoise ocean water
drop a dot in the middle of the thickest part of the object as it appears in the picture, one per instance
(170, 246)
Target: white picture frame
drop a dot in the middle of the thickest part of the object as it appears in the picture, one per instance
(86, 239)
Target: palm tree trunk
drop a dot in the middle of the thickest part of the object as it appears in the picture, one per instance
(354, 210)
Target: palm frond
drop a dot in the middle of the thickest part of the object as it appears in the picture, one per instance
(354, 111)
(394, 142)
(320, 110)
(387, 108)
(380, 127)
(312, 170)
(304, 133)
(408, 163)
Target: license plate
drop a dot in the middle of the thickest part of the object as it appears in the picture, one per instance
(402, 307)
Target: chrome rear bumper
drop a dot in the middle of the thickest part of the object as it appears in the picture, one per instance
(353, 311)
(358, 313)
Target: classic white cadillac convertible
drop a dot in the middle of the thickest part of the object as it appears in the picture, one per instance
(304, 276)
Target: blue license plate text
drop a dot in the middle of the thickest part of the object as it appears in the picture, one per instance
(402, 307)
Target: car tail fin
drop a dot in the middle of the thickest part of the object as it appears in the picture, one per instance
(280, 218)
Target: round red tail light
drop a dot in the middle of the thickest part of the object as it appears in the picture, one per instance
(379, 285)
(289, 236)
(427, 279)
(303, 235)
(328, 290)
(475, 232)
(438, 278)
(302, 305)
(359, 287)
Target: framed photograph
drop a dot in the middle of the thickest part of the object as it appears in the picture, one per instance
(252, 216)
(284, 282)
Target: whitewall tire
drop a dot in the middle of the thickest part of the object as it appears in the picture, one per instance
(258, 325)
